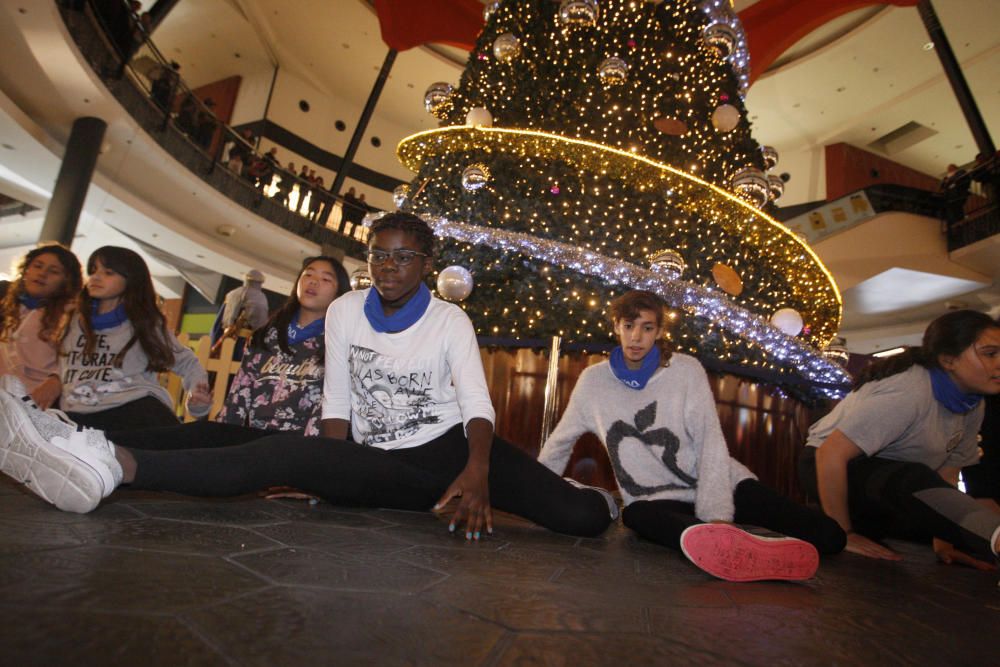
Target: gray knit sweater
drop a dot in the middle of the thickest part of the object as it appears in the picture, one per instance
(664, 440)
(93, 382)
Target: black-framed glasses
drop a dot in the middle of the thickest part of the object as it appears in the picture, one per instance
(400, 256)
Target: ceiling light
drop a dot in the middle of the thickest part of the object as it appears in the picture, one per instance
(891, 352)
(929, 46)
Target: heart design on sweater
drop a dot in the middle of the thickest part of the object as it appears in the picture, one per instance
(662, 437)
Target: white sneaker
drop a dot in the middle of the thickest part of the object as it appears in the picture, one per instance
(71, 469)
(608, 498)
(13, 386)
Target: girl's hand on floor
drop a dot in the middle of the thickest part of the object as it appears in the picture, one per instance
(472, 487)
(949, 555)
(859, 544)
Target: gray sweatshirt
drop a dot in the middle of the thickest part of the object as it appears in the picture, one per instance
(92, 383)
(664, 440)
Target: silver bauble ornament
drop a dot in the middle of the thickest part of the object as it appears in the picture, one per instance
(721, 37)
(455, 283)
(369, 219)
(475, 176)
(437, 98)
(668, 262)
(360, 279)
(400, 194)
(788, 321)
(479, 117)
(506, 47)
(751, 184)
(837, 352)
(613, 71)
(490, 9)
(579, 13)
(775, 187)
(770, 155)
(725, 118)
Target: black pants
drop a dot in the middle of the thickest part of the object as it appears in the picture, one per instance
(663, 521)
(146, 412)
(212, 459)
(882, 499)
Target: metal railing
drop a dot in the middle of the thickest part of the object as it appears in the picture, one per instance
(144, 82)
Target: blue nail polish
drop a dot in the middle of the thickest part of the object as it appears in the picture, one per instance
(451, 528)
(477, 534)
(468, 535)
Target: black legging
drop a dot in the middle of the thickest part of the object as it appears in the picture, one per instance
(663, 521)
(226, 460)
(142, 413)
(904, 500)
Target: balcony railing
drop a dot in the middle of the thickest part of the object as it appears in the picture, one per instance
(110, 38)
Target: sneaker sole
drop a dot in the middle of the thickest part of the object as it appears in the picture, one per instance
(48, 471)
(732, 554)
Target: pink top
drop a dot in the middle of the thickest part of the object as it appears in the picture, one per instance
(26, 355)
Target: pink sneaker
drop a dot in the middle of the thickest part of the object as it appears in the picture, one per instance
(726, 552)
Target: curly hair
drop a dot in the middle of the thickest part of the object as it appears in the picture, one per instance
(409, 223)
(56, 306)
(627, 307)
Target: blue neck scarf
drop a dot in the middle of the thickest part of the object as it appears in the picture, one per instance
(30, 302)
(636, 379)
(108, 320)
(402, 319)
(298, 335)
(949, 395)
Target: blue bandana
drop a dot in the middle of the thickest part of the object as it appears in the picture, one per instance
(636, 379)
(108, 320)
(949, 395)
(30, 302)
(402, 319)
(298, 335)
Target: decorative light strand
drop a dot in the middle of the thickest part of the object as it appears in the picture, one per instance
(694, 299)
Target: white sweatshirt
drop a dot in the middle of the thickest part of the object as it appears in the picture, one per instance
(402, 389)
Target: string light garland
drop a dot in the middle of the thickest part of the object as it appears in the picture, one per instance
(782, 350)
(783, 251)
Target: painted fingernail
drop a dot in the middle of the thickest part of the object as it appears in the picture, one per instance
(468, 535)
(451, 528)
(477, 534)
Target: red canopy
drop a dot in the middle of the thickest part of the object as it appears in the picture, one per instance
(771, 26)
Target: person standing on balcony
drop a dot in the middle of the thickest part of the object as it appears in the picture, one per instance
(955, 191)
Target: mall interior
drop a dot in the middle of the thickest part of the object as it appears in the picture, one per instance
(219, 139)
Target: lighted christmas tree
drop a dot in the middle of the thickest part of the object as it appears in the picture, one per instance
(590, 139)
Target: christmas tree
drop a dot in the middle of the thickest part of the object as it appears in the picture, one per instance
(591, 139)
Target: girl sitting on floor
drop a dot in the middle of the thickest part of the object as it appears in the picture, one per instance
(279, 386)
(654, 412)
(885, 461)
(32, 316)
(115, 346)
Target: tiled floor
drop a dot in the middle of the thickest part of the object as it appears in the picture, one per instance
(163, 580)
